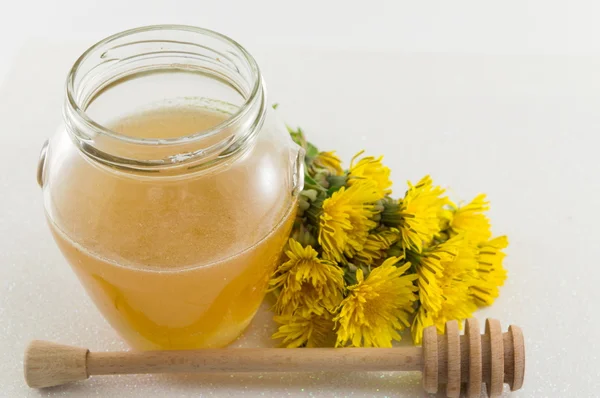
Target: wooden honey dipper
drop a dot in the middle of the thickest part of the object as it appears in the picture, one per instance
(493, 358)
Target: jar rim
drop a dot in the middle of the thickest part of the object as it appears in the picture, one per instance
(234, 118)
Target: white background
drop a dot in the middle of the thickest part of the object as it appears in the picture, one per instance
(499, 97)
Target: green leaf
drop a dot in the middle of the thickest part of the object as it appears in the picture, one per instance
(297, 136)
(300, 139)
(311, 150)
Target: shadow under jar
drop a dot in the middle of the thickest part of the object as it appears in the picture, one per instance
(171, 188)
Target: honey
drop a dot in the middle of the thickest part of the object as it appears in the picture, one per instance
(176, 262)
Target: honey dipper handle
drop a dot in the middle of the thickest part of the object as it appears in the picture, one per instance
(48, 364)
(255, 360)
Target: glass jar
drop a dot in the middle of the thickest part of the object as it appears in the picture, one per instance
(173, 237)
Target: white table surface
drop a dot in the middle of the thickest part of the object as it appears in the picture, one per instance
(517, 121)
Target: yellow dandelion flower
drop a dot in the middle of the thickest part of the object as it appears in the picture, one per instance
(329, 161)
(378, 307)
(308, 330)
(372, 169)
(419, 212)
(376, 246)
(471, 219)
(430, 268)
(455, 283)
(345, 220)
(307, 284)
(490, 272)
(452, 266)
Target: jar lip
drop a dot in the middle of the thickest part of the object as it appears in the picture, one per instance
(241, 111)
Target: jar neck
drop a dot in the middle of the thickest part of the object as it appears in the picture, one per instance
(221, 71)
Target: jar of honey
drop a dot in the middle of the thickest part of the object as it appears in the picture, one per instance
(171, 187)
